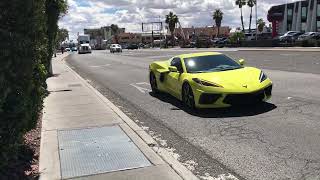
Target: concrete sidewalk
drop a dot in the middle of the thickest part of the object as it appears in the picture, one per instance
(84, 136)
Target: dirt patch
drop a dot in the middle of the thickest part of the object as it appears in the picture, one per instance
(26, 166)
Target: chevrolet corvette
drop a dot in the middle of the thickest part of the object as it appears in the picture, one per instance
(209, 80)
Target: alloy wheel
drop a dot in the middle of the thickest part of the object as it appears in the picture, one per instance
(188, 98)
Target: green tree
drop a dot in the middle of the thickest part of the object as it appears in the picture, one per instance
(62, 35)
(260, 24)
(25, 52)
(217, 17)
(251, 3)
(236, 37)
(115, 31)
(240, 4)
(54, 9)
(172, 20)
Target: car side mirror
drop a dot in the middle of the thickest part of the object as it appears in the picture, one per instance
(242, 62)
(173, 69)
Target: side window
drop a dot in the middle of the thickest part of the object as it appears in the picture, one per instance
(177, 63)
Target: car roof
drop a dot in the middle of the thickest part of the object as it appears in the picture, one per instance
(197, 54)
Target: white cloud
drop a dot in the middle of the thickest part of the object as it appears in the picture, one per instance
(131, 13)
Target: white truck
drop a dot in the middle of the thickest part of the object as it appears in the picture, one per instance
(83, 44)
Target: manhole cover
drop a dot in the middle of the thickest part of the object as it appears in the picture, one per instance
(97, 150)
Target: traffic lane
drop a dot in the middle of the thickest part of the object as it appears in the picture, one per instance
(306, 62)
(256, 142)
(304, 86)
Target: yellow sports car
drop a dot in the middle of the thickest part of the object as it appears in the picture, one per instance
(209, 80)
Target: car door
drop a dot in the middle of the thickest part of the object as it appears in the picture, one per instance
(173, 80)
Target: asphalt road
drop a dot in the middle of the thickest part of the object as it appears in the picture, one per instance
(277, 140)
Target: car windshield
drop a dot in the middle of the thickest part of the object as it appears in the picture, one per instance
(211, 63)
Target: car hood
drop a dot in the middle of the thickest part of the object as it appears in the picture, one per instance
(247, 77)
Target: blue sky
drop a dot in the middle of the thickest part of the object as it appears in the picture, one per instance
(131, 13)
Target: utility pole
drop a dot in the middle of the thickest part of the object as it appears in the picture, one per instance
(256, 20)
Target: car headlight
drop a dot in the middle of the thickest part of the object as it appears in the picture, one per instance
(262, 76)
(205, 83)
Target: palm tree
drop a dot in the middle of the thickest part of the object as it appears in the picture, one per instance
(172, 20)
(251, 3)
(241, 3)
(260, 24)
(217, 17)
(115, 30)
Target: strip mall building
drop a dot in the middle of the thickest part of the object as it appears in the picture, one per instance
(298, 16)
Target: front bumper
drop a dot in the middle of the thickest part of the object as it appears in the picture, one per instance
(116, 50)
(217, 100)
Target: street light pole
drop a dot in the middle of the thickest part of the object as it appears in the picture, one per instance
(256, 20)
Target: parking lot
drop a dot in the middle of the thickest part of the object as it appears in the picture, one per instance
(277, 140)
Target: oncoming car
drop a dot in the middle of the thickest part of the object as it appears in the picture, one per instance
(209, 80)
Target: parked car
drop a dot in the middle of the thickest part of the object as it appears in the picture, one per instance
(132, 46)
(203, 41)
(250, 36)
(308, 35)
(288, 36)
(215, 40)
(222, 41)
(115, 48)
(316, 36)
(141, 45)
(68, 49)
(295, 36)
(124, 46)
(218, 40)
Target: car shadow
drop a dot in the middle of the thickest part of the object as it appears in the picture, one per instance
(236, 111)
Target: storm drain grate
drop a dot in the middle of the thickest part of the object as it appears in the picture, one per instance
(97, 150)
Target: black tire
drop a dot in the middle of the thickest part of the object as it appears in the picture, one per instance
(153, 83)
(187, 96)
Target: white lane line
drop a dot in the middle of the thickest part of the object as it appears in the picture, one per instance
(290, 54)
(105, 65)
(141, 89)
(163, 56)
(143, 83)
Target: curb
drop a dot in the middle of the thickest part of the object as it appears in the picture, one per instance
(180, 169)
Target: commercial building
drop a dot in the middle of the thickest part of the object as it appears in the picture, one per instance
(129, 38)
(136, 38)
(104, 32)
(298, 16)
(99, 35)
(211, 32)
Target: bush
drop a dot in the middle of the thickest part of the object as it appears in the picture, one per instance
(308, 43)
(25, 57)
(237, 37)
